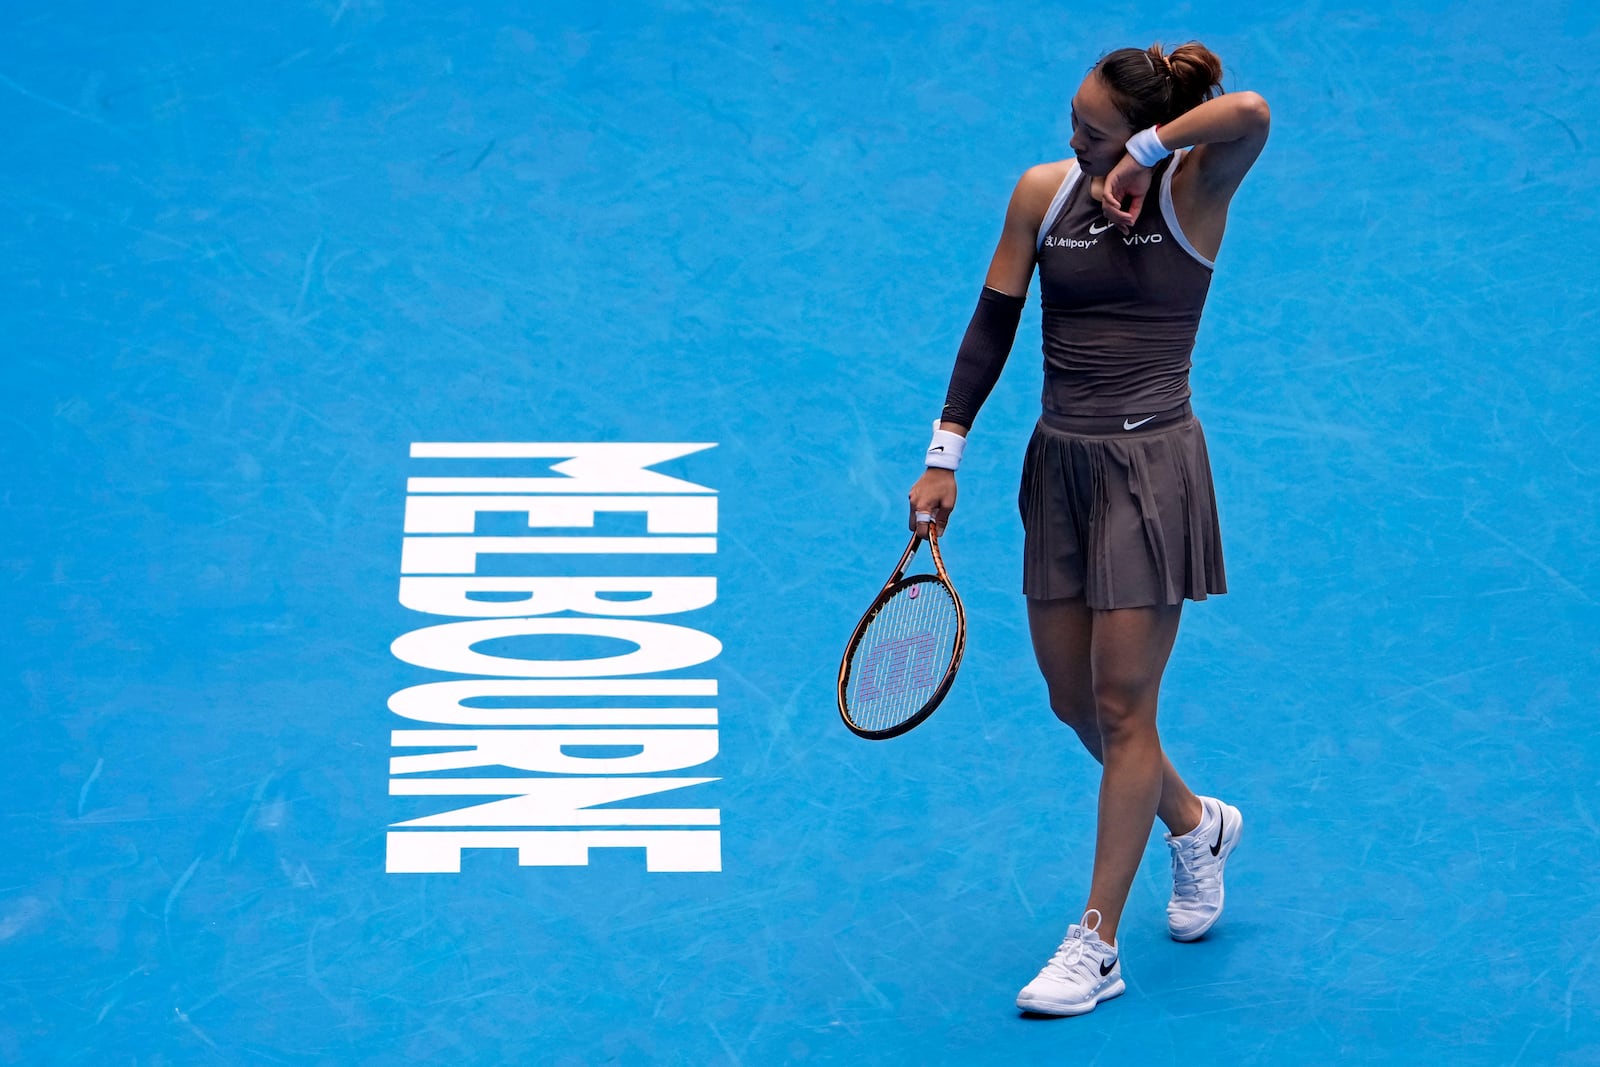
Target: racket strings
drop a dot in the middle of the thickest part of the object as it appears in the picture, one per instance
(903, 656)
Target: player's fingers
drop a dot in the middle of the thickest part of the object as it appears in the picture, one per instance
(1128, 213)
(1109, 203)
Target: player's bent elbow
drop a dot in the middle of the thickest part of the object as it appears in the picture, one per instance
(1253, 108)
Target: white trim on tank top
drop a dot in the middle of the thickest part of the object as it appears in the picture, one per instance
(1169, 213)
(1058, 204)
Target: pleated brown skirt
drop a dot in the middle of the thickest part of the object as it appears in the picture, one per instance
(1119, 517)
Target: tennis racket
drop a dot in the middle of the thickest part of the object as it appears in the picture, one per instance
(905, 650)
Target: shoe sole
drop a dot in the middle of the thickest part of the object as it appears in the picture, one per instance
(1228, 845)
(1077, 1007)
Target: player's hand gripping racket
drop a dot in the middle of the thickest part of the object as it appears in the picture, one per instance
(906, 648)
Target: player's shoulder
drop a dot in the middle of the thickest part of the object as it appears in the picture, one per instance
(1051, 174)
(1038, 185)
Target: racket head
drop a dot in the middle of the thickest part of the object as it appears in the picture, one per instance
(902, 658)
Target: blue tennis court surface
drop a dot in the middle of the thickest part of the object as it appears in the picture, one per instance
(259, 264)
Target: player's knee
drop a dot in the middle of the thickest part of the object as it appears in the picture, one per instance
(1077, 710)
(1074, 706)
(1124, 712)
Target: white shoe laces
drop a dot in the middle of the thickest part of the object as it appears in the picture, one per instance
(1072, 946)
(1194, 869)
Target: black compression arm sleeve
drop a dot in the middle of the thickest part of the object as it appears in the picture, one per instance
(982, 354)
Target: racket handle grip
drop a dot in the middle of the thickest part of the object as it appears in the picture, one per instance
(924, 516)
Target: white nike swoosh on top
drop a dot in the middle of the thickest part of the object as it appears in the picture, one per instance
(1102, 228)
(1127, 425)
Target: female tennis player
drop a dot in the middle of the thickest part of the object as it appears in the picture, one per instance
(1119, 516)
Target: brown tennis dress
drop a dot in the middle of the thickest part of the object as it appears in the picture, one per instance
(1117, 501)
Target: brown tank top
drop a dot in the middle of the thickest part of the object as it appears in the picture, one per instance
(1120, 310)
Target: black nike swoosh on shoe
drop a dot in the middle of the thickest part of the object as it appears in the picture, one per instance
(1106, 968)
(1222, 824)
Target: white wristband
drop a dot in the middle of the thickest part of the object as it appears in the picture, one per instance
(945, 449)
(1147, 148)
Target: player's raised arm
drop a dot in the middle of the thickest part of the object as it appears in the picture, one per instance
(1225, 135)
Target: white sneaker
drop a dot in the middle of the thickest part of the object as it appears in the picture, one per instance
(1197, 861)
(1083, 972)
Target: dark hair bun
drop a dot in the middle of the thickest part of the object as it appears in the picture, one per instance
(1152, 87)
(1196, 74)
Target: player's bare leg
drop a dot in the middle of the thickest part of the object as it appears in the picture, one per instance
(1128, 652)
(1062, 633)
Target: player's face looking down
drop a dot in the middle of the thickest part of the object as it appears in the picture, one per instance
(1099, 132)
